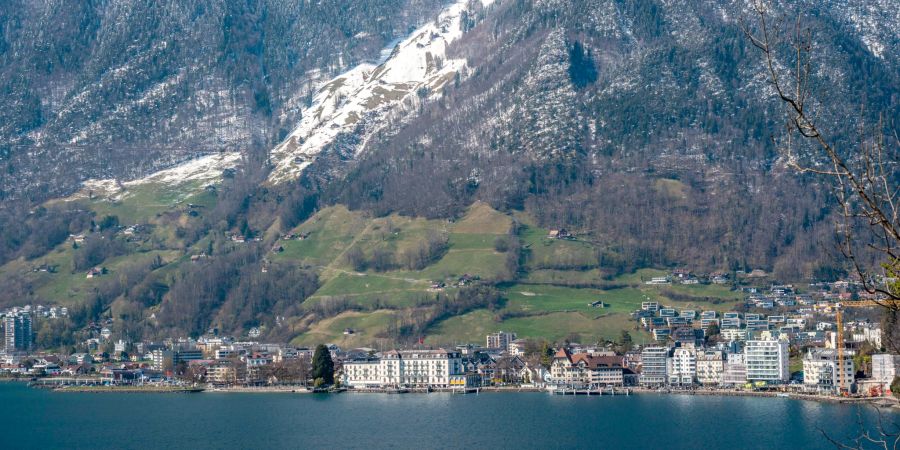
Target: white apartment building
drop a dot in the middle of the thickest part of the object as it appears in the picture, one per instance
(682, 366)
(821, 370)
(654, 365)
(363, 373)
(412, 368)
(710, 367)
(885, 367)
(500, 339)
(734, 334)
(735, 370)
(767, 361)
(870, 335)
(162, 359)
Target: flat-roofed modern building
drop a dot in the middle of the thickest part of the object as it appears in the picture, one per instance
(735, 370)
(767, 361)
(654, 366)
(500, 339)
(17, 332)
(821, 371)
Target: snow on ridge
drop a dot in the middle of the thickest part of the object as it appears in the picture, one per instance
(369, 92)
(205, 169)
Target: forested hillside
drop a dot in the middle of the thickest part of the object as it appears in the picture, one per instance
(647, 125)
(118, 89)
(411, 195)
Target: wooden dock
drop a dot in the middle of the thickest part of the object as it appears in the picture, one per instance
(594, 391)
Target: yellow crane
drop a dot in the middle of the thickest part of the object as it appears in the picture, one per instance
(839, 318)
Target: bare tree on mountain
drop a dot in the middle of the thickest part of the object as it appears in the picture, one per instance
(863, 173)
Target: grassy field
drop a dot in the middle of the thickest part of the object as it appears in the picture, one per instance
(334, 231)
(368, 329)
(473, 326)
(331, 232)
(565, 277)
(141, 204)
(482, 219)
(546, 299)
(545, 253)
(367, 289)
(70, 287)
(556, 312)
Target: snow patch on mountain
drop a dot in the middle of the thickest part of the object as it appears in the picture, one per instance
(196, 172)
(359, 100)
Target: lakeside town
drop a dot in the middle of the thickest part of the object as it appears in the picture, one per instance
(779, 341)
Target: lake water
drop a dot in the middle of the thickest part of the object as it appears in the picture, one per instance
(31, 418)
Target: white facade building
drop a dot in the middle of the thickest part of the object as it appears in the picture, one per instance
(710, 367)
(735, 370)
(885, 367)
(500, 339)
(654, 365)
(821, 370)
(734, 334)
(767, 361)
(682, 366)
(407, 368)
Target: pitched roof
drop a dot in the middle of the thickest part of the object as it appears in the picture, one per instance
(597, 362)
(563, 353)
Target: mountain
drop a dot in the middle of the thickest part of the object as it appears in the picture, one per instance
(396, 167)
(120, 89)
(648, 126)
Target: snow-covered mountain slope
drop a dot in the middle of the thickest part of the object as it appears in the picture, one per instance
(185, 178)
(360, 99)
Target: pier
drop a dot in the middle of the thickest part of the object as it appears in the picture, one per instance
(591, 391)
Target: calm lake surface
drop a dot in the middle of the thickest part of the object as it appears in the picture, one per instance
(32, 418)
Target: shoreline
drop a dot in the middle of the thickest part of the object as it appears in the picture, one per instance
(881, 402)
(129, 390)
(633, 391)
(788, 395)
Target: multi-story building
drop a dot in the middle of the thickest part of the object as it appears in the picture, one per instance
(225, 353)
(162, 359)
(661, 334)
(226, 372)
(500, 339)
(654, 366)
(710, 367)
(583, 369)
(187, 354)
(735, 370)
(885, 367)
(17, 332)
(363, 373)
(734, 334)
(682, 366)
(821, 371)
(517, 347)
(413, 368)
(767, 361)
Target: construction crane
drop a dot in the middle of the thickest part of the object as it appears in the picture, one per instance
(839, 318)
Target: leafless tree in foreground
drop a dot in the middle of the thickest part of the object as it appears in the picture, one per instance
(864, 178)
(884, 433)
